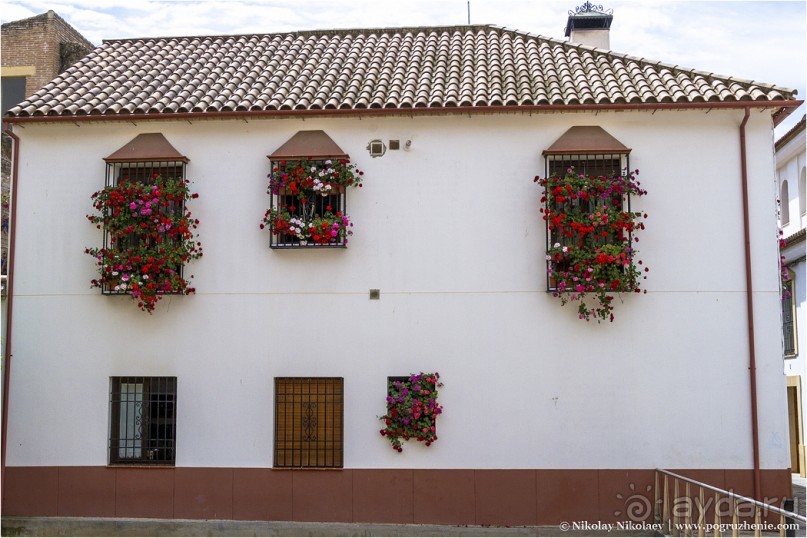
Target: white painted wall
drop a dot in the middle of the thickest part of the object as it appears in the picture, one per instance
(451, 234)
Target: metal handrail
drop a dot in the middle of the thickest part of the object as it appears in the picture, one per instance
(735, 496)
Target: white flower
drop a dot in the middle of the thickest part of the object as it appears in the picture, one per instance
(557, 245)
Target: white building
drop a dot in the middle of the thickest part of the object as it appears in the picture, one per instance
(546, 418)
(790, 174)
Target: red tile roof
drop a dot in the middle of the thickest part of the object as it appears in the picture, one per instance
(479, 67)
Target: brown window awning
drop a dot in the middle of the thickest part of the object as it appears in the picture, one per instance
(309, 145)
(146, 147)
(586, 140)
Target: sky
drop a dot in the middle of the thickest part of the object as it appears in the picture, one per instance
(764, 41)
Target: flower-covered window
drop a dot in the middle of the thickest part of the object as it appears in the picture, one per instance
(308, 188)
(308, 202)
(590, 226)
(412, 409)
(148, 230)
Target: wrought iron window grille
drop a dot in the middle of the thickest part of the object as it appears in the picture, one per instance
(142, 420)
(789, 318)
(140, 172)
(306, 209)
(399, 378)
(589, 164)
(309, 422)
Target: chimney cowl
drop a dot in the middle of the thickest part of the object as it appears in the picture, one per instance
(589, 24)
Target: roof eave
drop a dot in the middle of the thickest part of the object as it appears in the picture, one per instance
(780, 115)
(784, 108)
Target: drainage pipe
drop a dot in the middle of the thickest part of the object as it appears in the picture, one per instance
(749, 297)
(7, 129)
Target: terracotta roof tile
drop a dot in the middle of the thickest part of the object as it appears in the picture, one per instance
(467, 66)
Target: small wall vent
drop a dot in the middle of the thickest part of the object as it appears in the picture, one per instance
(377, 148)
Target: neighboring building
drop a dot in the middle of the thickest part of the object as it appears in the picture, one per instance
(282, 357)
(790, 176)
(34, 51)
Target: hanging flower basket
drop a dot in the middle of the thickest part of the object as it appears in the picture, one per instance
(148, 239)
(590, 253)
(412, 409)
(308, 202)
(320, 230)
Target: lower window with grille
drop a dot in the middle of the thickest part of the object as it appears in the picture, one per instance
(309, 422)
(142, 420)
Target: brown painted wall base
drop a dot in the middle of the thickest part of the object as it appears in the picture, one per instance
(438, 496)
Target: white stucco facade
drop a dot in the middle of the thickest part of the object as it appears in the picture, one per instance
(450, 232)
(790, 171)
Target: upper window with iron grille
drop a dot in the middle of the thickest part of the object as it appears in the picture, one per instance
(142, 427)
(308, 204)
(149, 234)
(148, 160)
(309, 422)
(585, 152)
(308, 184)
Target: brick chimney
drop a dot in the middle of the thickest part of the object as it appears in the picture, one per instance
(590, 25)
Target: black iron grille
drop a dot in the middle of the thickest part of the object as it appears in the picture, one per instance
(306, 209)
(142, 173)
(788, 317)
(309, 422)
(143, 420)
(608, 165)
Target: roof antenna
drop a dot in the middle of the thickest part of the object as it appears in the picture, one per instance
(469, 12)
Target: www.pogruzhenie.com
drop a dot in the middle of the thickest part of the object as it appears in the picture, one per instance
(681, 527)
(741, 527)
